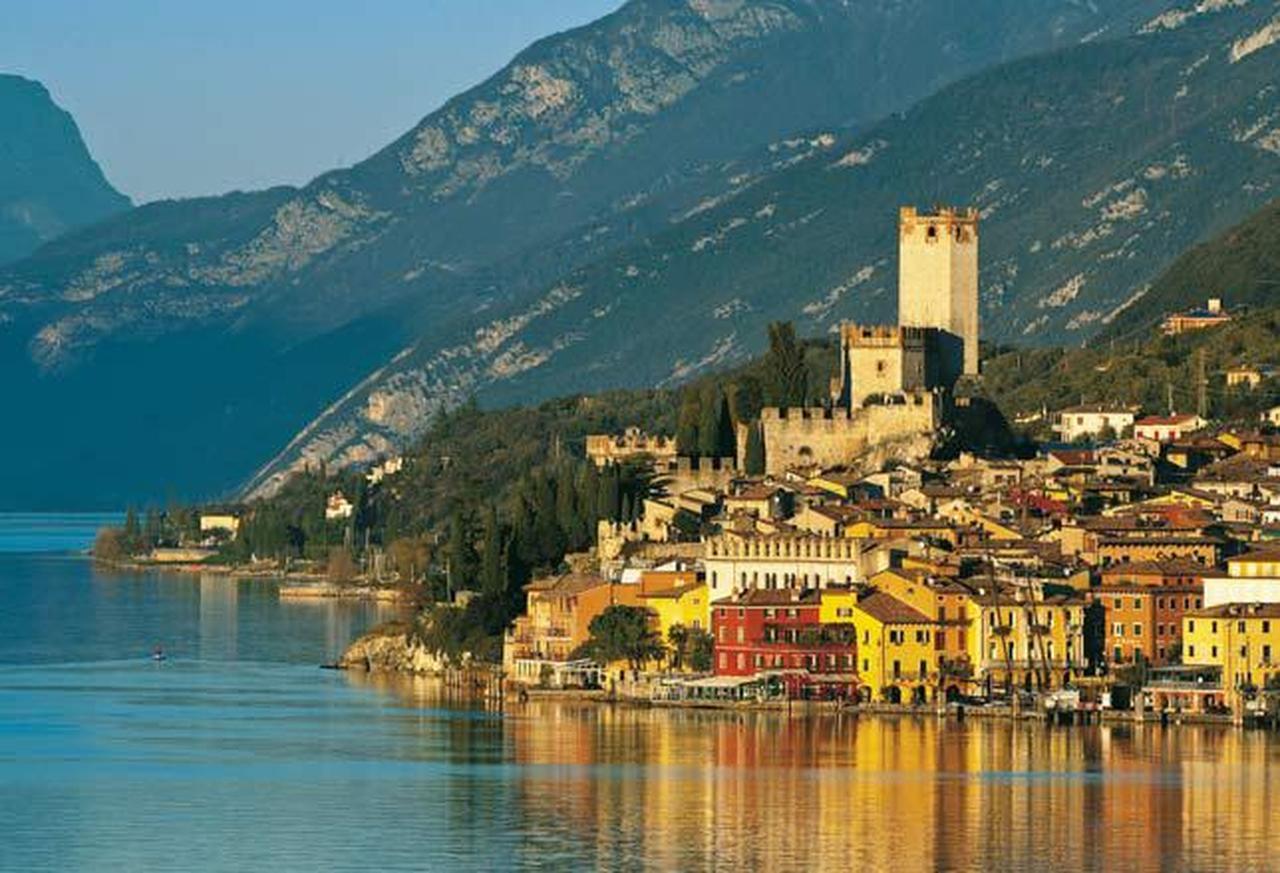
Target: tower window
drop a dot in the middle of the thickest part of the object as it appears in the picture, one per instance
(933, 231)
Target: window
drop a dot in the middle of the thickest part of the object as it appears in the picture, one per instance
(924, 669)
(1119, 603)
(1213, 652)
(741, 634)
(1159, 630)
(1266, 654)
(1266, 627)
(897, 669)
(1117, 629)
(1137, 604)
(724, 661)
(1191, 651)
(866, 666)
(1137, 629)
(741, 663)
(1240, 627)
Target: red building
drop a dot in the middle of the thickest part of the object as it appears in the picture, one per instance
(779, 633)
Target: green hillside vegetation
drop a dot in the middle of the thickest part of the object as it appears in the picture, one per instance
(1240, 265)
(1142, 371)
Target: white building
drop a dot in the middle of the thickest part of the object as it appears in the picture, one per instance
(1251, 578)
(1093, 419)
(338, 507)
(1167, 428)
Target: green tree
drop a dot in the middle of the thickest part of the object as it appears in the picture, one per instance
(462, 555)
(710, 422)
(623, 633)
(688, 422)
(699, 650)
(786, 374)
(493, 580)
(753, 460)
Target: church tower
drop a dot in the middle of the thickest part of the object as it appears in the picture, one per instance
(938, 277)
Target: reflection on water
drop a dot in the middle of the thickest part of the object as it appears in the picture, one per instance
(239, 754)
(688, 789)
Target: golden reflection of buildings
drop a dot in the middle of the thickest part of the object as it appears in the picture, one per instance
(219, 600)
(763, 791)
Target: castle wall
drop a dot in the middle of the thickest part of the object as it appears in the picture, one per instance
(830, 438)
(938, 275)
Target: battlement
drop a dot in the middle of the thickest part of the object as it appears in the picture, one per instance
(854, 335)
(961, 223)
(803, 413)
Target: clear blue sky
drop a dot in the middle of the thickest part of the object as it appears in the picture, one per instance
(186, 97)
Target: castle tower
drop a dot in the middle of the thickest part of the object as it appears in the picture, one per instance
(938, 277)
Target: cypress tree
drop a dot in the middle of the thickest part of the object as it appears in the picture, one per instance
(709, 423)
(687, 423)
(492, 577)
(786, 372)
(754, 453)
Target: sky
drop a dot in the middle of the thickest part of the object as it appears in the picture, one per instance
(179, 98)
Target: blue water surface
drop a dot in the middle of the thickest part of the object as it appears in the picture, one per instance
(238, 753)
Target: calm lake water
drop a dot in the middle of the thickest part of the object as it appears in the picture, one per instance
(239, 754)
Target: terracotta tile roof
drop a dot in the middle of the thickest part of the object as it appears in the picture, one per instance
(888, 609)
(772, 597)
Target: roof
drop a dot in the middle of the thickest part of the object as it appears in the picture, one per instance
(1098, 409)
(1171, 567)
(1238, 610)
(674, 593)
(1151, 420)
(888, 609)
(772, 597)
(566, 584)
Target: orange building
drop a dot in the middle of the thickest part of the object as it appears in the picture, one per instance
(557, 621)
(1143, 604)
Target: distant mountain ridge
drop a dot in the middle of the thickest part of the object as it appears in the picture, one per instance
(49, 183)
(1093, 168)
(588, 141)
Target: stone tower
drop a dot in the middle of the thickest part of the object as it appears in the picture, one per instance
(938, 277)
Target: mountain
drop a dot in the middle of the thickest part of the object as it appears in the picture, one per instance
(193, 337)
(1093, 167)
(48, 181)
(1241, 266)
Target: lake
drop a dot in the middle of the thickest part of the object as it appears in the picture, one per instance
(238, 753)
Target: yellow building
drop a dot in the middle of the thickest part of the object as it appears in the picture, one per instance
(895, 652)
(1243, 639)
(687, 606)
(1021, 635)
(945, 602)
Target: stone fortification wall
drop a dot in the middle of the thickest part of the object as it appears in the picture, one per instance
(835, 437)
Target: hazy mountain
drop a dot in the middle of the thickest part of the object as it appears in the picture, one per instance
(1094, 167)
(48, 181)
(195, 336)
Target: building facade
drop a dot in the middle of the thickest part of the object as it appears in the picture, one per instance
(938, 275)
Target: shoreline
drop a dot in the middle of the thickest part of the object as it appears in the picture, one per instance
(462, 682)
(305, 586)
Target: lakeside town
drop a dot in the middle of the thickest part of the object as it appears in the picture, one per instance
(827, 553)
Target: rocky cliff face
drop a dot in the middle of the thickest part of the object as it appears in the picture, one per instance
(392, 650)
(589, 141)
(49, 184)
(1093, 168)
